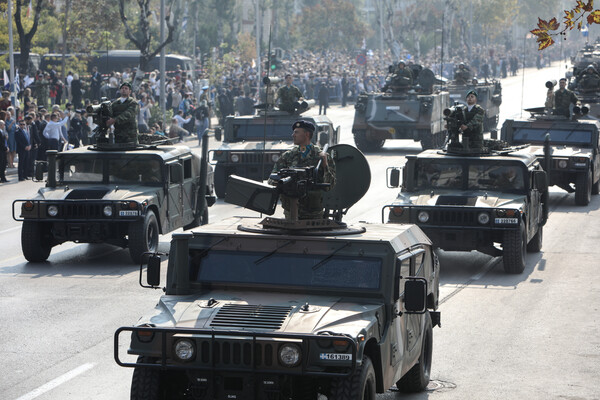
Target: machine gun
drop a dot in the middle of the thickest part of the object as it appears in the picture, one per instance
(454, 117)
(101, 113)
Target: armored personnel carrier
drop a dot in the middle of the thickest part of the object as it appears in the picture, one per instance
(569, 149)
(489, 96)
(252, 144)
(278, 310)
(493, 200)
(403, 112)
(122, 194)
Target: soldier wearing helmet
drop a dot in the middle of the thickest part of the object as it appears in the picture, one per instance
(590, 79)
(401, 78)
(462, 74)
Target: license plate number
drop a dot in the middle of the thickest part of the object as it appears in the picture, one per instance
(128, 213)
(335, 357)
(507, 220)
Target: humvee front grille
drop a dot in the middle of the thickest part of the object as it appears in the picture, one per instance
(251, 316)
(236, 353)
(80, 211)
(452, 217)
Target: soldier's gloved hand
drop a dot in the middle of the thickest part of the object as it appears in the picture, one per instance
(110, 122)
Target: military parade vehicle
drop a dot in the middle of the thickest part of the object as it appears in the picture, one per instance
(492, 201)
(489, 96)
(567, 148)
(121, 194)
(402, 112)
(288, 309)
(252, 144)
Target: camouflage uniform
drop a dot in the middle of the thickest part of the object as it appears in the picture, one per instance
(311, 206)
(462, 76)
(43, 90)
(400, 74)
(562, 100)
(474, 123)
(287, 96)
(125, 115)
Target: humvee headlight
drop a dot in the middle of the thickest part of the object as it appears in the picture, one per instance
(52, 211)
(108, 211)
(275, 157)
(28, 206)
(235, 158)
(185, 349)
(289, 355)
(483, 218)
(562, 164)
(423, 216)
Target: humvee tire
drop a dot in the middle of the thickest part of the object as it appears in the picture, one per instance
(36, 242)
(145, 383)
(143, 237)
(358, 386)
(535, 245)
(417, 378)
(366, 145)
(220, 181)
(514, 247)
(583, 188)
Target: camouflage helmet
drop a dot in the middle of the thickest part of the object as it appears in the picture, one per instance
(401, 62)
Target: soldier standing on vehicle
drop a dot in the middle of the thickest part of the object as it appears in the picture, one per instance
(401, 78)
(563, 98)
(288, 95)
(473, 126)
(306, 154)
(125, 111)
(462, 75)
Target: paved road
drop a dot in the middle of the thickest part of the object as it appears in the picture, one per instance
(503, 337)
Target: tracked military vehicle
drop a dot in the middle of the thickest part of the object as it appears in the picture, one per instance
(283, 309)
(569, 149)
(252, 144)
(493, 200)
(489, 96)
(403, 112)
(122, 194)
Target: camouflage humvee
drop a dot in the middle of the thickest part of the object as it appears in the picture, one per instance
(252, 144)
(572, 151)
(475, 202)
(251, 312)
(413, 112)
(124, 196)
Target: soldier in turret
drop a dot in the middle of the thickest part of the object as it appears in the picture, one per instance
(473, 126)
(401, 79)
(590, 79)
(125, 111)
(288, 95)
(462, 75)
(563, 98)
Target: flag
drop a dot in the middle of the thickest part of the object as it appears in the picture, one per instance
(585, 31)
(29, 9)
(16, 82)
(6, 81)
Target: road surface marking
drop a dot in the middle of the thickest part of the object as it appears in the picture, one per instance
(486, 268)
(57, 382)
(14, 228)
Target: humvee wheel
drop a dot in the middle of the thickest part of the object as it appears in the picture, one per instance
(36, 241)
(145, 384)
(220, 181)
(143, 237)
(366, 145)
(417, 378)
(583, 188)
(358, 386)
(535, 245)
(514, 247)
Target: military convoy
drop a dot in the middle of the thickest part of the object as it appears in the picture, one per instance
(476, 201)
(413, 112)
(124, 195)
(285, 309)
(252, 144)
(569, 149)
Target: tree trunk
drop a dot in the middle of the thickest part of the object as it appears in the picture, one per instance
(26, 38)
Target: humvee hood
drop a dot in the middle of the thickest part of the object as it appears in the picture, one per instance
(262, 312)
(470, 199)
(563, 151)
(87, 192)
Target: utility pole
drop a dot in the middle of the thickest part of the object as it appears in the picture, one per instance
(11, 57)
(163, 85)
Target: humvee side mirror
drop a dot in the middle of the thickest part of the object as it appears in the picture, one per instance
(218, 134)
(39, 170)
(393, 177)
(176, 172)
(153, 271)
(323, 139)
(541, 180)
(415, 295)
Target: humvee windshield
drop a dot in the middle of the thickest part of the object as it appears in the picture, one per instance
(469, 175)
(257, 132)
(577, 137)
(285, 269)
(86, 169)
